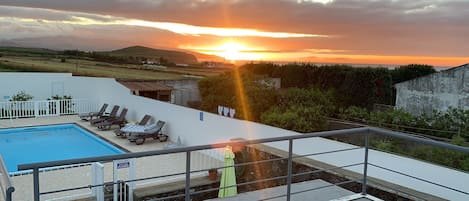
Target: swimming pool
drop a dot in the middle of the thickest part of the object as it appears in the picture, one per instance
(50, 143)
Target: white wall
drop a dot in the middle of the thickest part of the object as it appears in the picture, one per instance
(438, 91)
(41, 85)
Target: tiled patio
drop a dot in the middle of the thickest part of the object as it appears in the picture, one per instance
(82, 176)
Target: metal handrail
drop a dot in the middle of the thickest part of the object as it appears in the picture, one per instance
(417, 178)
(5, 181)
(365, 130)
(30, 166)
(33, 166)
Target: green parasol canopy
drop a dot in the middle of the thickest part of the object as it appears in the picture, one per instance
(228, 176)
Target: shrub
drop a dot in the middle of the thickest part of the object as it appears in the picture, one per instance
(297, 118)
(21, 96)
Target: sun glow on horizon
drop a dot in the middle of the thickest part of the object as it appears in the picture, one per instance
(234, 51)
(231, 51)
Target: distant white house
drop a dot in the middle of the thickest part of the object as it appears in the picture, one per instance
(438, 91)
(150, 62)
(214, 64)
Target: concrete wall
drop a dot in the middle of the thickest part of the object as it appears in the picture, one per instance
(44, 85)
(438, 91)
(184, 90)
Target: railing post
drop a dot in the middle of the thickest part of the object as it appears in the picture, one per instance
(188, 176)
(9, 196)
(36, 109)
(289, 173)
(57, 108)
(36, 184)
(365, 163)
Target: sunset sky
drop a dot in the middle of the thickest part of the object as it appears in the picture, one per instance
(337, 31)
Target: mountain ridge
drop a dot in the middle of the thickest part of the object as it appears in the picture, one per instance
(60, 43)
(155, 54)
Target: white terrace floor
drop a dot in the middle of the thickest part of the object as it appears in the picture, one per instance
(82, 176)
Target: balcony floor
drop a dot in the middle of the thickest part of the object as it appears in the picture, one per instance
(322, 194)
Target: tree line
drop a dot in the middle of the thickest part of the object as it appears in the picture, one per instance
(117, 59)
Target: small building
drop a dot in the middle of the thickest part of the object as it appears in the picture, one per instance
(272, 82)
(214, 64)
(150, 89)
(180, 92)
(438, 91)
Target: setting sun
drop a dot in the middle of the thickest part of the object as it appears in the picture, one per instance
(235, 51)
(231, 51)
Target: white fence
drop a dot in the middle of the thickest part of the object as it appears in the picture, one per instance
(44, 108)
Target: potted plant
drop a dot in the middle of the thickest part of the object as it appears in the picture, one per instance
(213, 174)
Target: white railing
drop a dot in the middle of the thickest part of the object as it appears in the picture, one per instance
(6, 186)
(44, 108)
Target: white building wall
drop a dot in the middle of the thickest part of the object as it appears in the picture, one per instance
(438, 91)
(44, 85)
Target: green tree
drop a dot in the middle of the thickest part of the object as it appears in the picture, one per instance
(411, 71)
(302, 110)
(247, 94)
(296, 118)
(311, 97)
(353, 86)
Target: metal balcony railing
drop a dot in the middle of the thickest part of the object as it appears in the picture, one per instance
(6, 186)
(188, 192)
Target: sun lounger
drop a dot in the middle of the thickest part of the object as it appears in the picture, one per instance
(107, 124)
(112, 115)
(153, 131)
(121, 132)
(90, 115)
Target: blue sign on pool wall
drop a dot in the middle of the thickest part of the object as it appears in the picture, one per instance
(201, 116)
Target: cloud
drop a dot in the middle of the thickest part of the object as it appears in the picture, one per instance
(362, 27)
(225, 32)
(54, 17)
(427, 8)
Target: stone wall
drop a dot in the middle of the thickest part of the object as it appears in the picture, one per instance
(438, 91)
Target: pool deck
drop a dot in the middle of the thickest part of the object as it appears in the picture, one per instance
(82, 176)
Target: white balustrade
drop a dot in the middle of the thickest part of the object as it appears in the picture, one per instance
(44, 108)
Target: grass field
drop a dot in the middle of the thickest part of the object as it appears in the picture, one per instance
(86, 67)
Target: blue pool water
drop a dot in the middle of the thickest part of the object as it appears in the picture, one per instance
(50, 143)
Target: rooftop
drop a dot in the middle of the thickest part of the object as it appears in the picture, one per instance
(145, 85)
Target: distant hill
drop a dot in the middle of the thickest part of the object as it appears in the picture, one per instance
(140, 51)
(27, 50)
(8, 43)
(205, 57)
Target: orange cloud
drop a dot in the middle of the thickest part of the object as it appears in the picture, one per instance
(393, 60)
